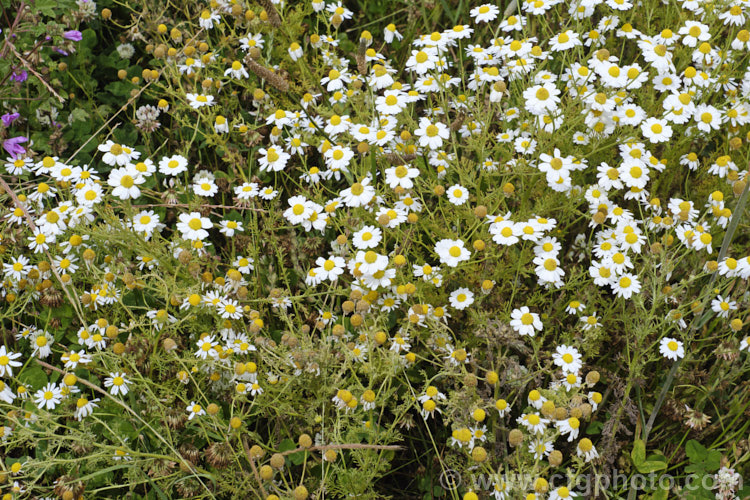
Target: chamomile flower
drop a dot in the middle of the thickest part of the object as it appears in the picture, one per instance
(268, 193)
(193, 226)
(229, 309)
(505, 232)
(195, 410)
(146, 222)
(707, 118)
(540, 448)
(569, 427)
(41, 342)
(525, 322)
(358, 194)
(586, 450)
(626, 285)
(115, 154)
(205, 188)
(85, 407)
(656, 130)
(461, 298)
(391, 103)
(73, 359)
(230, 227)
(574, 307)
(90, 193)
(17, 268)
(367, 237)
(723, 306)
(8, 396)
(207, 19)
(295, 51)
(336, 79)
(246, 191)
(48, 397)
(402, 176)
(173, 165)
(198, 101)
(237, 70)
(671, 348)
(390, 33)
(431, 135)
(250, 41)
(207, 347)
(533, 422)
(457, 194)
(8, 361)
(272, 159)
(18, 166)
(694, 32)
(117, 383)
(564, 41)
(484, 13)
(536, 399)
(330, 268)
(221, 126)
(422, 61)
(451, 252)
(562, 493)
(541, 99)
(568, 358)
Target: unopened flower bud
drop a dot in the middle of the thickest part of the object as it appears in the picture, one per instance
(555, 458)
(515, 437)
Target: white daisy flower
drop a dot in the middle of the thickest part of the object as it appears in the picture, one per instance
(671, 348)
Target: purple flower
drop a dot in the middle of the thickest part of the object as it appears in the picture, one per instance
(73, 35)
(9, 118)
(19, 75)
(13, 146)
(60, 51)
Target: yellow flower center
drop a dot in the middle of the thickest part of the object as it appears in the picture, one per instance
(542, 94)
(195, 224)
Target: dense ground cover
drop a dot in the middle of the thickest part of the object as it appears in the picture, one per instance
(397, 249)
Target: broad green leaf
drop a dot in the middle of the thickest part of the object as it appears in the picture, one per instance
(639, 452)
(295, 458)
(79, 115)
(713, 461)
(649, 466)
(594, 428)
(33, 377)
(46, 7)
(661, 494)
(695, 451)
